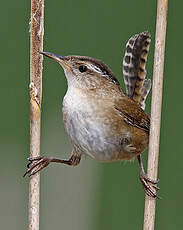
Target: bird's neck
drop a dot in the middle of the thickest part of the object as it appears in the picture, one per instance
(93, 91)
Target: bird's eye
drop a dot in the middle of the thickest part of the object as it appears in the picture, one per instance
(82, 68)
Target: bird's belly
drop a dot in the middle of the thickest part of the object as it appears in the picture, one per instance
(92, 136)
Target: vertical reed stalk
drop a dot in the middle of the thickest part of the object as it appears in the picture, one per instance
(152, 169)
(36, 45)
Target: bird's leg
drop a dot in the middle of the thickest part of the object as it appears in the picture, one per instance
(149, 185)
(36, 164)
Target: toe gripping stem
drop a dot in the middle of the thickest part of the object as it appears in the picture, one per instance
(36, 164)
(149, 185)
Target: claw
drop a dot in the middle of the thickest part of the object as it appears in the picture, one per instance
(36, 164)
(149, 186)
(156, 187)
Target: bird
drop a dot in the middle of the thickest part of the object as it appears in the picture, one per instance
(101, 120)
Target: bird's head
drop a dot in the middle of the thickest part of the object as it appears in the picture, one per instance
(85, 71)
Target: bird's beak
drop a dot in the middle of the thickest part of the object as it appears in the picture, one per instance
(60, 59)
(53, 56)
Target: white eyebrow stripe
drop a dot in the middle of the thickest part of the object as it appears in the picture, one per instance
(103, 73)
(95, 68)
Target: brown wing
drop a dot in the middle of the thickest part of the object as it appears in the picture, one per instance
(132, 113)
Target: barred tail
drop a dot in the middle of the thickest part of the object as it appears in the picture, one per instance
(134, 63)
(144, 92)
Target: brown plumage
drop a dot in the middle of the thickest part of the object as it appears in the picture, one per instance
(133, 114)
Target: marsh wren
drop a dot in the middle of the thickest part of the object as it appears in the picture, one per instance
(101, 120)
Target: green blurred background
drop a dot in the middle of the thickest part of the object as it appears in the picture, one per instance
(93, 195)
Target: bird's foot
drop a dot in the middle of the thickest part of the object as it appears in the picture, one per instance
(36, 164)
(149, 185)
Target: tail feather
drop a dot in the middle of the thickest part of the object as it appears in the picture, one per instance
(144, 92)
(134, 63)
